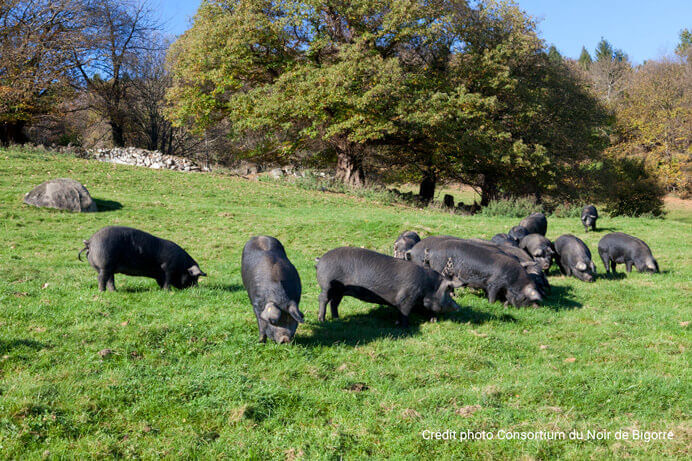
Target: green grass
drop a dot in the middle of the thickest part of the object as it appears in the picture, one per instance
(188, 378)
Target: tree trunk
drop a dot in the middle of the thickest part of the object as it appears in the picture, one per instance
(488, 190)
(427, 187)
(12, 133)
(117, 131)
(349, 169)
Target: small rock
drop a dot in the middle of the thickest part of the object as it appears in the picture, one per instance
(105, 353)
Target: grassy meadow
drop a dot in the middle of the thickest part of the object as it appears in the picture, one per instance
(186, 377)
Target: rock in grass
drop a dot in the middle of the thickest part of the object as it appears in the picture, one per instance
(63, 194)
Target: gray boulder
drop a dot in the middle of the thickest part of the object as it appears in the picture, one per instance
(63, 194)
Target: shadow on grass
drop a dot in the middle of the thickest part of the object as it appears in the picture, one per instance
(602, 229)
(381, 322)
(8, 345)
(559, 299)
(233, 287)
(137, 288)
(107, 205)
(611, 276)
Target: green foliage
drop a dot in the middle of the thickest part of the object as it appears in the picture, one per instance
(684, 47)
(515, 207)
(631, 190)
(312, 181)
(585, 58)
(449, 90)
(567, 210)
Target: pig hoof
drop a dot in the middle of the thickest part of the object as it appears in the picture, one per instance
(433, 319)
(284, 340)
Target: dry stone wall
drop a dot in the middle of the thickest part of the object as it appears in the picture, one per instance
(146, 158)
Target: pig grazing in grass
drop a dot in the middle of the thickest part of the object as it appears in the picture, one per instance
(480, 266)
(535, 223)
(124, 250)
(539, 248)
(517, 233)
(376, 278)
(504, 239)
(589, 215)
(532, 268)
(619, 248)
(405, 242)
(574, 258)
(273, 285)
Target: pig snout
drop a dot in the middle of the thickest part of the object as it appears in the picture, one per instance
(283, 339)
(531, 293)
(450, 306)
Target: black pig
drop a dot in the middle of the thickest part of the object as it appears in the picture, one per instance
(477, 266)
(376, 278)
(405, 242)
(532, 268)
(124, 250)
(518, 233)
(273, 285)
(535, 223)
(619, 248)
(504, 239)
(574, 258)
(539, 248)
(589, 215)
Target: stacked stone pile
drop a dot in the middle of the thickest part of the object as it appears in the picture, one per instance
(146, 158)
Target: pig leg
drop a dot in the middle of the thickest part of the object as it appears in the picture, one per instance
(562, 268)
(403, 320)
(262, 333)
(493, 292)
(106, 280)
(323, 298)
(612, 265)
(604, 258)
(628, 266)
(336, 298)
(167, 281)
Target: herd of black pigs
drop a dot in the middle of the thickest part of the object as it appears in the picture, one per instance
(422, 274)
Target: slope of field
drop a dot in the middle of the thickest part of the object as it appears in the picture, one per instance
(186, 376)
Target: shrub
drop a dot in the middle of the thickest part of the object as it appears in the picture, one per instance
(567, 210)
(517, 207)
(630, 190)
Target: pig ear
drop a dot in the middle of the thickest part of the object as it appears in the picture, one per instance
(526, 264)
(581, 265)
(448, 270)
(426, 257)
(407, 255)
(451, 283)
(195, 271)
(295, 312)
(271, 313)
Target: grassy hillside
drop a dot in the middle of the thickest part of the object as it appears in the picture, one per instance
(187, 377)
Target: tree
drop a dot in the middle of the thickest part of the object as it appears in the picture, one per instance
(684, 48)
(655, 120)
(585, 59)
(554, 54)
(115, 35)
(435, 90)
(609, 71)
(35, 37)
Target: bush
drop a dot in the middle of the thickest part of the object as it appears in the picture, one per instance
(631, 190)
(567, 210)
(519, 207)
(313, 181)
